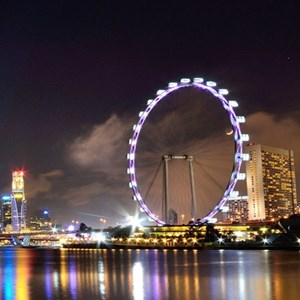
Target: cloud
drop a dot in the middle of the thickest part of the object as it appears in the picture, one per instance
(101, 185)
(42, 183)
(81, 196)
(54, 173)
(267, 129)
(104, 147)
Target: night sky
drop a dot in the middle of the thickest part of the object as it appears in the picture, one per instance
(75, 74)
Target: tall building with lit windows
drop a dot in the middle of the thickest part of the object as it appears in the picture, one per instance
(39, 220)
(18, 201)
(271, 183)
(6, 213)
(237, 209)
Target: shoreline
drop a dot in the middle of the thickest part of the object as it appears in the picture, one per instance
(183, 247)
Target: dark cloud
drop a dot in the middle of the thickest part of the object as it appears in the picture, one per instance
(103, 147)
(42, 183)
(267, 129)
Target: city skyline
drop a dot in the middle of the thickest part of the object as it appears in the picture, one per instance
(74, 79)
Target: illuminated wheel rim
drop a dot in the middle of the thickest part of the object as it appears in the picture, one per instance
(235, 121)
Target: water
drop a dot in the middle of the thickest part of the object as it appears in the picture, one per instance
(148, 274)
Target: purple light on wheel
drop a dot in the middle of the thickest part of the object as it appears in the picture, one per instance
(238, 141)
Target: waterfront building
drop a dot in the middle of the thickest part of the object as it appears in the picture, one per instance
(18, 201)
(237, 209)
(5, 212)
(40, 220)
(248, 231)
(271, 183)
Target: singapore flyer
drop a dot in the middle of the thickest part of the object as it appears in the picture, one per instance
(186, 153)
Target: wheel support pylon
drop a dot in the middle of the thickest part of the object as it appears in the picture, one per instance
(165, 203)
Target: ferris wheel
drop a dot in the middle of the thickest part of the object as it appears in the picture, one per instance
(186, 152)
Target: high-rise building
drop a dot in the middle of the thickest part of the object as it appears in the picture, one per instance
(40, 220)
(271, 183)
(237, 209)
(18, 201)
(6, 212)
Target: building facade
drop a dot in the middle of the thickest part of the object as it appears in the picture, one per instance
(271, 183)
(6, 213)
(40, 220)
(18, 201)
(237, 209)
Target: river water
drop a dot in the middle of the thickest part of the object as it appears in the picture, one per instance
(149, 274)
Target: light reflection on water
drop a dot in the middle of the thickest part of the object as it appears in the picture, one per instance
(148, 274)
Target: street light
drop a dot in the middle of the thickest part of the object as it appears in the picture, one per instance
(265, 241)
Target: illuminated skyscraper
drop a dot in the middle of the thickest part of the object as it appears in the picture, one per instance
(237, 209)
(5, 212)
(271, 183)
(18, 201)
